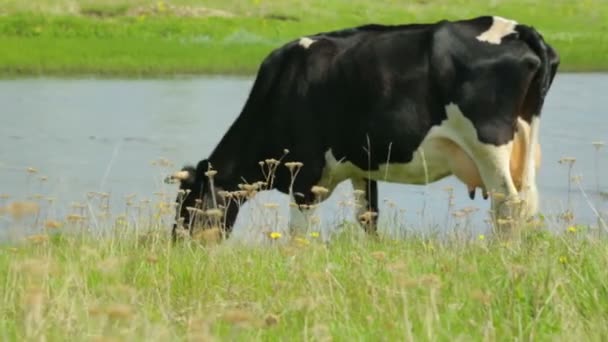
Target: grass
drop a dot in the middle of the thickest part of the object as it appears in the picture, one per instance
(140, 288)
(149, 38)
(94, 276)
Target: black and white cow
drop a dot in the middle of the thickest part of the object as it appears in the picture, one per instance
(407, 104)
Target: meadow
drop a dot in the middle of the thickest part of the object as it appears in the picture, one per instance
(94, 275)
(165, 38)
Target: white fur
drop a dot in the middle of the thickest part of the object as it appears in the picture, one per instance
(500, 28)
(434, 160)
(306, 42)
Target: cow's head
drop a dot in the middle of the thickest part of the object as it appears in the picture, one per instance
(196, 196)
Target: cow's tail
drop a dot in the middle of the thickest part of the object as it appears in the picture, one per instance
(542, 81)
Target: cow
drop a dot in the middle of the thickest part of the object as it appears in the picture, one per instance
(409, 104)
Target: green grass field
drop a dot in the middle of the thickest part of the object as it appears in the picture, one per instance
(126, 288)
(151, 38)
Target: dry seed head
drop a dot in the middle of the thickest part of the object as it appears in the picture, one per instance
(497, 195)
(378, 255)
(430, 280)
(43, 178)
(504, 221)
(567, 160)
(576, 179)
(293, 165)
(271, 320)
(260, 184)
(210, 173)
(359, 192)
(74, 218)
(217, 213)
(368, 216)
(152, 259)
(248, 187)
(271, 205)
(301, 241)
(21, 209)
(119, 311)
(598, 144)
(52, 224)
(459, 214)
(31, 170)
(272, 161)
(211, 235)
(238, 317)
(483, 297)
(319, 190)
(38, 238)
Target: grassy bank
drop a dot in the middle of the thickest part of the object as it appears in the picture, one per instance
(116, 37)
(133, 289)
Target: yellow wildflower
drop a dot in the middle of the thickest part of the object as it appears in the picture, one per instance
(572, 229)
(275, 235)
(481, 237)
(314, 234)
(563, 259)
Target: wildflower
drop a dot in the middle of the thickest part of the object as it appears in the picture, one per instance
(481, 237)
(563, 260)
(314, 234)
(275, 235)
(572, 229)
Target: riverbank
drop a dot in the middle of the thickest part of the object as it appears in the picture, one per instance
(142, 38)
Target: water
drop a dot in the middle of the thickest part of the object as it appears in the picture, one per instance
(103, 135)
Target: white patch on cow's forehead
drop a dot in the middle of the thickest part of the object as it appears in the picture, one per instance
(500, 28)
(306, 42)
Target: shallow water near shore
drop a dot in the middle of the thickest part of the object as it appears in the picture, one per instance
(99, 135)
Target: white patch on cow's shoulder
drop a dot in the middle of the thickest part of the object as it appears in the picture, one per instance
(306, 42)
(500, 28)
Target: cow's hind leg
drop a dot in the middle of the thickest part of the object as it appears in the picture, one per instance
(366, 202)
